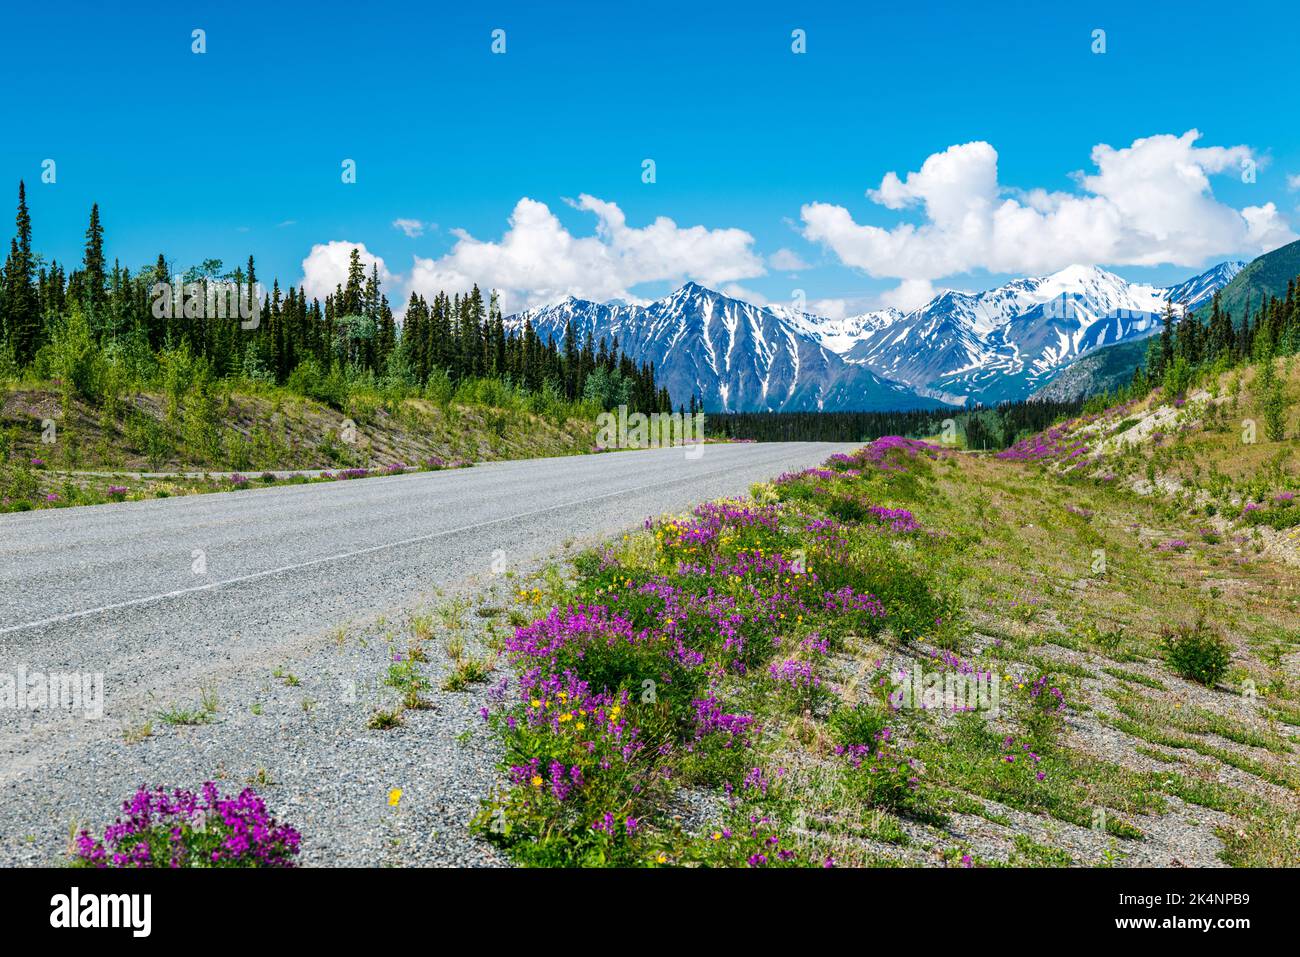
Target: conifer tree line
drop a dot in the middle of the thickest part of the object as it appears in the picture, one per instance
(351, 338)
(991, 427)
(1210, 337)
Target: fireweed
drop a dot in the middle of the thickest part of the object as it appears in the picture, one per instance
(798, 683)
(185, 829)
(747, 838)
(1061, 445)
(881, 775)
(892, 453)
(1044, 717)
(1281, 512)
(658, 670)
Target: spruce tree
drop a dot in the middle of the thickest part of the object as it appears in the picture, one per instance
(93, 266)
(1167, 336)
(351, 298)
(22, 319)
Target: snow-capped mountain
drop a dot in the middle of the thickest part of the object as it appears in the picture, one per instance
(837, 335)
(733, 355)
(1003, 343)
(1197, 291)
(958, 348)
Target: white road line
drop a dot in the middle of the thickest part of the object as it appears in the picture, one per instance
(210, 586)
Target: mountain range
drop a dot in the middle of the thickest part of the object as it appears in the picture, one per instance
(1106, 369)
(731, 354)
(959, 348)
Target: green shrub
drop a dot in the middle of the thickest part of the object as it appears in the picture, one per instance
(858, 724)
(1273, 405)
(1196, 652)
(75, 358)
(151, 437)
(310, 380)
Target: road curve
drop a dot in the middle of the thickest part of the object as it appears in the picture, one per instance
(165, 596)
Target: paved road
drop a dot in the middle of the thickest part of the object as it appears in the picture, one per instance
(166, 596)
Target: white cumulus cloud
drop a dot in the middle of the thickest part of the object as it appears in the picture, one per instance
(1145, 204)
(830, 308)
(326, 267)
(538, 261)
(908, 295)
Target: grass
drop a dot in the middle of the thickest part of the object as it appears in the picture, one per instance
(1198, 721)
(451, 614)
(1133, 677)
(405, 676)
(385, 719)
(185, 716)
(1029, 853)
(261, 778)
(468, 671)
(1285, 714)
(134, 734)
(422, 627)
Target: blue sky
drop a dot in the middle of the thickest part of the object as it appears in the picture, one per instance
(757, 149)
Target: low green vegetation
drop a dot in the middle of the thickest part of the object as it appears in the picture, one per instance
(1197, 652)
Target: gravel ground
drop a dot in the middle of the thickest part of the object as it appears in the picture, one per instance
(287, 626)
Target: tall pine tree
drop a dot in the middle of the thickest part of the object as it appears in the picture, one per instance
(21, 319)
(92, 266)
